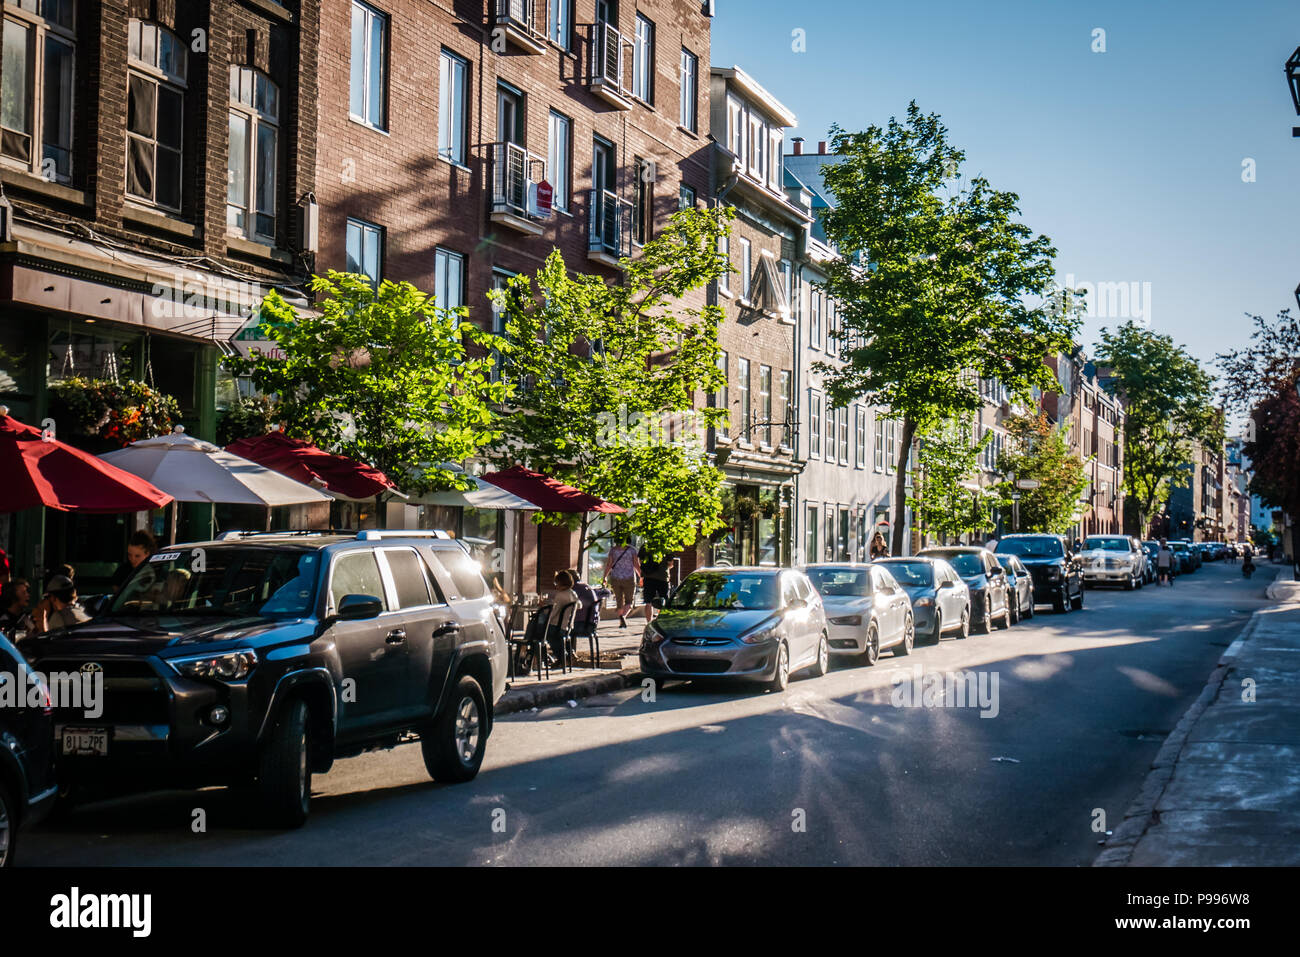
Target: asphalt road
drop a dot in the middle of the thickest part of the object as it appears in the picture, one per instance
(830, 772)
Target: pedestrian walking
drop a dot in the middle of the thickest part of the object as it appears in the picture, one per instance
(656, 580)
(1165, 563)
(622, 572)
(878, 547)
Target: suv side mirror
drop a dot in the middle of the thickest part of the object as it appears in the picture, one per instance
(359, 607)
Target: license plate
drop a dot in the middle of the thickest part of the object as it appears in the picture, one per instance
(90, 742)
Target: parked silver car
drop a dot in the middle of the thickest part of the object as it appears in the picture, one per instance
(940, 599)
(867, 611)
(738, 623)
(1113, 559)
(1022, 587)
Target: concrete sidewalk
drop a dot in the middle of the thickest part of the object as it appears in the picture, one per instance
(1225, 788)
(618, 668)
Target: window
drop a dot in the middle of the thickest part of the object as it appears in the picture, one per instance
(644, 202)
(453, 99)
(690, 92)
(559, 157)
(860, 415)
(891, 447)
(721, 400)
(409, 576)
(832, 330)
(643, 55)
(369, 48)
(757, 147)
(776, 149)
(814, 425)
(742, 390)
(559, 21)
(154, 114)
(815, 318)
(251, 193)
(785, 408)
(366, 250)
(356, 573)
(724, 249)
(844, 435)
(787, 279)
(828, 512)
(746, 267)
(39, 58)
(686, 197)
(736, 128)
(879, 465)
(449, 279)
(765, 400)
(810, 533)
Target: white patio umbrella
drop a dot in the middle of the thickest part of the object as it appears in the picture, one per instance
(483, 495)
(191, 470)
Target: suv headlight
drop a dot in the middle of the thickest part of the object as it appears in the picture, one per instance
(229, 666)
(846, 620)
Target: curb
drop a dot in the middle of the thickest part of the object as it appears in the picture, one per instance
(1119, 847)
(524, 699)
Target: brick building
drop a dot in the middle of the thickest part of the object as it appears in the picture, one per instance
(157, 162)
(440, 121)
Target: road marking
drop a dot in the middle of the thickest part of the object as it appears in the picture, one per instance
(1233, 649)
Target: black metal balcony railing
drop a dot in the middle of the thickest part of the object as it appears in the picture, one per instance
(514, 171)
(611, 224)
(607, 58)
(521, 14)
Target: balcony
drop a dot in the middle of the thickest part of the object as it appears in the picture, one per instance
(515, 175)
(520, 25)
(611, 228)
(605, 50)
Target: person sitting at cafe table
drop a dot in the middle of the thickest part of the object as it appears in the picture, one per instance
(138, 549)
(59, 608)
(15, 604)
(564, 608)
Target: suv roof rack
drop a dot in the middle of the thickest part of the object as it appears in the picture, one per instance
(243, 533)
(378, 534)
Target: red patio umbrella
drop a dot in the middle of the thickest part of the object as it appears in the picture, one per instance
(56, 475)
(549, 494)
(312, 466)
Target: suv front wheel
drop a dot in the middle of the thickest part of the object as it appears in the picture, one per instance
(453, 745)
(284, 768)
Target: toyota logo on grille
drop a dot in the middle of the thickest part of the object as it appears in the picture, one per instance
(91, 667)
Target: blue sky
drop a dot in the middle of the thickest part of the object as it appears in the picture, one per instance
(1130, 160)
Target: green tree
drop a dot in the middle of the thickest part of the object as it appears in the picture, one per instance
(945, 499)
(936, 286)
(1039, 452)
(384, 376)
(608, 377)
(1168, 408)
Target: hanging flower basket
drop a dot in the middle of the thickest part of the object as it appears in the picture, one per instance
(118, 412)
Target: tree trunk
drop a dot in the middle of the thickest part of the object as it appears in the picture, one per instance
(900, 485)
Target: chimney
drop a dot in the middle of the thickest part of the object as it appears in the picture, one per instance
(797, 142)
(821, 148)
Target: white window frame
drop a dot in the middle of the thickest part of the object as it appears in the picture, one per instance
(559, 158)
(723, 396)
(736, 129)
(453, 105)
(743, 389)
(559, 23)
(643, 56)
(148, 71)
(878, 458)
(40, 33)
(256, 119)
(370, 17)
(448, 278)
(765, 402)
(746, 268)
(814, 318)
(688, 112)
(814, 424)
(860, 428)
(364, 229)
(724, 249)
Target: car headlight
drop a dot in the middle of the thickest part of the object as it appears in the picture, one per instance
(229, 666)
(850, 620)
(923, 602)
(653, 634)
(762, 634)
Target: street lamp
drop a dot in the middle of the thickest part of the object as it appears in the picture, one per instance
(1293, 84)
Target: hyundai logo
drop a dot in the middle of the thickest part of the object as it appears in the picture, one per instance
(91, 667)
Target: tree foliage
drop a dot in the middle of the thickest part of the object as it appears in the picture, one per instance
(385, 376)
(1040, 452)
(949, 460)
(608, 376)
(1262, 379)
(1168, 408)
(954, 286)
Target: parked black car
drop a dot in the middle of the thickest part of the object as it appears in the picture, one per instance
(990, 590)
(263, 658)
(27, 786)
(1057, 575)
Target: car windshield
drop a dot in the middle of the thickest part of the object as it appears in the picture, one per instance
(1031, 547)
(1008, 562)
(1179, 546)
(967, 564)
(911, 573)
(726, 591)
(1106, 544)
(221, 582)
(841, 582)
